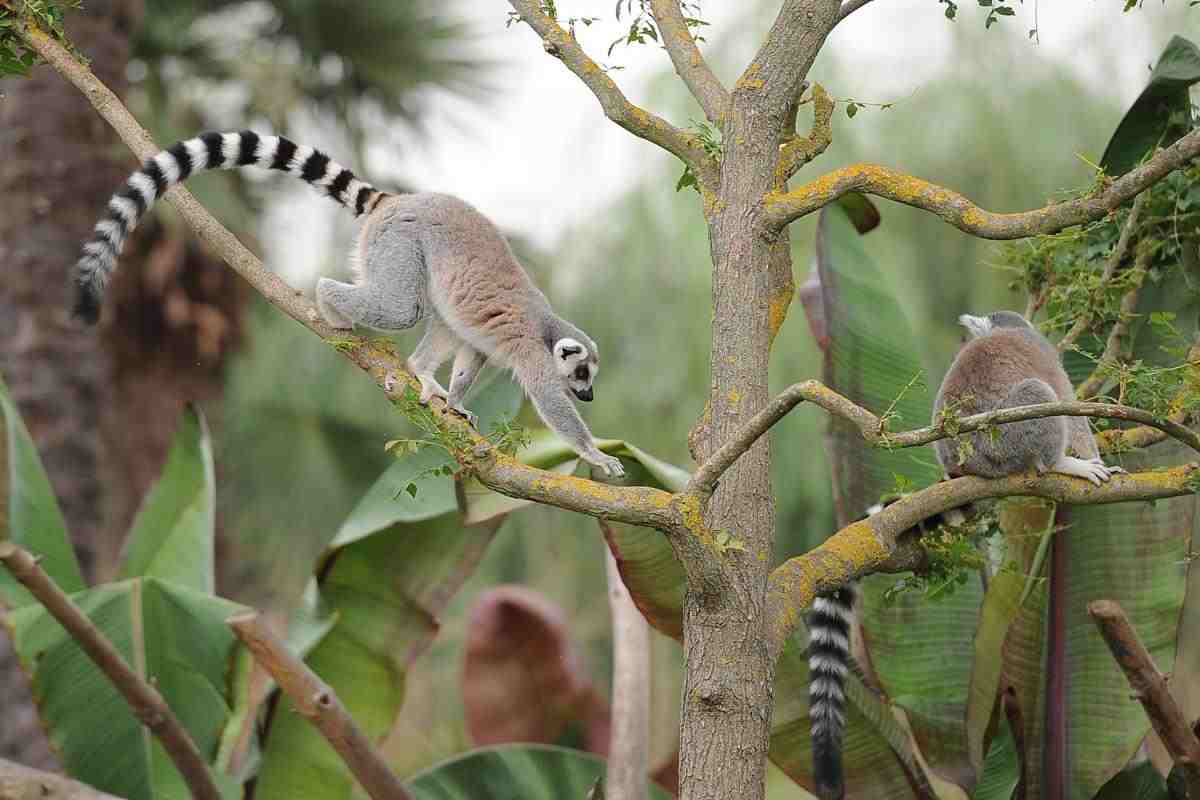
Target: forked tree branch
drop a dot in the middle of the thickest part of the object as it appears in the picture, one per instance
(318, 703)
(689, 63)
(876, 544)
(19, 782)
(874, 429)
(1150, 689)
(144, 700)
(632, 504)
(638, 121)
(781, 208)
(1117, 345)
(802, 149)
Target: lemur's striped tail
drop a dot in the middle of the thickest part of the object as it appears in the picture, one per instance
(175, 164)
(828, 662)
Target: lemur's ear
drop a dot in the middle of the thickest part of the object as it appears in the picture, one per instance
(565, 348)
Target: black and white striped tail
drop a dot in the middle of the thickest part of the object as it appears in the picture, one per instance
(829, 625)
(828, 662)
(175, 164)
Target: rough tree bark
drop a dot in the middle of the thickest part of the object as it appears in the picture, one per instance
(727, 703)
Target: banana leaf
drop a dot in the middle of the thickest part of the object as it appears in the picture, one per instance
(389, 572)
(162, 618)
(919, 652)
(29, 512)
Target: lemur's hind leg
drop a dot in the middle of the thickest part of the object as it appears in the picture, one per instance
(436, 346)
(392, 295)
(467, 364)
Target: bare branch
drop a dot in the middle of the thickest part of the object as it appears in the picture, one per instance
(849, 7)
(319, 705)
(641, 123)
(143, 699)
(877, 543)
(783, 208)
(18, 781)
(501, 473)
(1120, 250)
(802, 149)
(874, 429)
(1150, 688)
(629, 740)
(689, 63)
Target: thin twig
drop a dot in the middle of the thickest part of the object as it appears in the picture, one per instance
(1120, 250)
(317, 702)
(689, 63)
(18, 782)
(638, 121)
(144, 700)
(873, 429)
(629, 739)
(783, 208)
(1150, 688)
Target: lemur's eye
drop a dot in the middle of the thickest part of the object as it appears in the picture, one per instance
(581, 373)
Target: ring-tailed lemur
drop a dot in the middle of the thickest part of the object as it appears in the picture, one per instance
(1005, 362)
(418, 256)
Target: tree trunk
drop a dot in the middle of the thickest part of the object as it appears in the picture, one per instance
(58, 161)
(728, 689)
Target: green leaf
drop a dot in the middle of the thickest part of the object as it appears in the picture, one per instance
(172, 535)
(1148, 122)
(1001, 772)
(508, 772)
(393, 567)
(29, 513)
(171, 635)
(1136, 783)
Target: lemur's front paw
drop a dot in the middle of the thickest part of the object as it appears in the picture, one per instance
(608, 464)
(430, 389)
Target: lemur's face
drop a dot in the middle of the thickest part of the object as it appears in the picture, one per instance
(577, 366)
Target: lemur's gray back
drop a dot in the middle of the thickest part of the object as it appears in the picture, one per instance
(175, 164)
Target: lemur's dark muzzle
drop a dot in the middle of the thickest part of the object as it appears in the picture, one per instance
(585, 395)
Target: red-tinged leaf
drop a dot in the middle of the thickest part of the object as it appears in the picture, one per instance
(522, 679)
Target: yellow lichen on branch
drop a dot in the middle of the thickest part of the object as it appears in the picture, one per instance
(781, 208)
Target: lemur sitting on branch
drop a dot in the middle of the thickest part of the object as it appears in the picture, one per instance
(1005, 362)
(418, 256)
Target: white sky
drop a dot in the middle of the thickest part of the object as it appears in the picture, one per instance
(539, 157)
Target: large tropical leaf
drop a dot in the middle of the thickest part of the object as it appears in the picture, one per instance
(389, 572)
(523, 678)
(172, 536)
(506, 772)
(29, 513)
(171, 635)
(1159, 115)
(920, 651)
